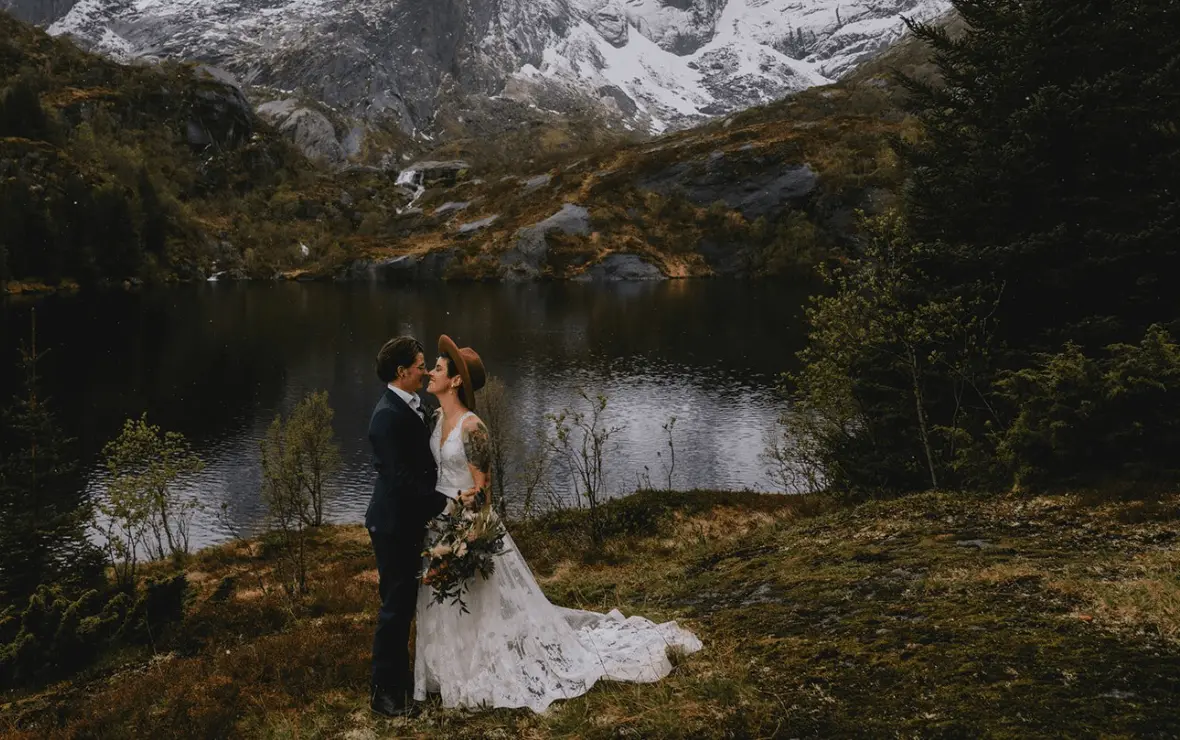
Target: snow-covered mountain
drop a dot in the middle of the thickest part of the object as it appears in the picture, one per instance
(656, 64)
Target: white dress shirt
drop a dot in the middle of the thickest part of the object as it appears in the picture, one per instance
(412, 400)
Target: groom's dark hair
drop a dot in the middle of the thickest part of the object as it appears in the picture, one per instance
(397, 352)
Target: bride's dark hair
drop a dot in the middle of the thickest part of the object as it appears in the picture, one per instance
(452, 371)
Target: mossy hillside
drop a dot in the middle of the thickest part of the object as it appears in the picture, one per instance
(112, 171)
(197, 184)
(934, 615)
(841, 133)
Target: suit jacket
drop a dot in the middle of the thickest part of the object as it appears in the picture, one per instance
(404, 498)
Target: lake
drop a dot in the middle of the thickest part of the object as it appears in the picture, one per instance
(217, 361)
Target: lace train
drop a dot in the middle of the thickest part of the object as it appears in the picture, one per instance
(515, 649)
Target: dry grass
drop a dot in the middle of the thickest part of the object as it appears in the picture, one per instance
(935, 615)
(1132, 596)
(984, 574)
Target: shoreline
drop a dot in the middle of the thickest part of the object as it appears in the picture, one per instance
(35, 288)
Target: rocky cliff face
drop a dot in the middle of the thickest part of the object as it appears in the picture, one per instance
(40, 12)
(653, 64)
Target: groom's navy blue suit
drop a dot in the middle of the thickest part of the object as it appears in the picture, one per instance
(404, 500)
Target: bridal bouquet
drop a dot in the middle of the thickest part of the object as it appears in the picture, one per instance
(465, 542)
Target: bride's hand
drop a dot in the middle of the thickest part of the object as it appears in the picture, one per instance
(468, 497)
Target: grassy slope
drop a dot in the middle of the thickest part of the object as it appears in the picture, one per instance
(934, 615)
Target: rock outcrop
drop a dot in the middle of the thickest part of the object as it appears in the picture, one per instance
(526, 259)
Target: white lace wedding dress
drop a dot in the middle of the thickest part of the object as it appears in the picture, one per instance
(514, 648)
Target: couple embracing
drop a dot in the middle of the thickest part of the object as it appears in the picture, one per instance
(512, 648)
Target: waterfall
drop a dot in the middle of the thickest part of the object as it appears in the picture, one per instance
(412, 179)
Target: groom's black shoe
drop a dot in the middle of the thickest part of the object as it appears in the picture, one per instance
(395, 703)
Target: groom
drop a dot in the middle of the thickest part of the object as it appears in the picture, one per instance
(404, 500)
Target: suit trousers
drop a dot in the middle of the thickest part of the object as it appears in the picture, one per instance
(399, 561)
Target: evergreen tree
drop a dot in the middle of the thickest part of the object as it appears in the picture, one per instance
(1051, 161)
(116, 243)
(43, 514)
(27, 236)
(1043, 207)
(154, 231)
(21, 114)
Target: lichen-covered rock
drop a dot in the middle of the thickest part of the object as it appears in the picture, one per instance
(310, 129)
(473, 226)
(430, 173)
(403, 268)
(450, 207)
(526, 259)
(622, 266)
(751, 185)
(218, 113)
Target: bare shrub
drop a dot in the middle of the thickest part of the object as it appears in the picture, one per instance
(578, 442)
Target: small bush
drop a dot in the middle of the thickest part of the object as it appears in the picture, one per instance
(299, 455)
(147, 509)
(56, 636)
(1077, 416)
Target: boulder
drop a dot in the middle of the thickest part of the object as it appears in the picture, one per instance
(612, 23)
(401, 269)
(747, 184)
(726, 258)
(526, 258)
(622, 266)
(474, 226)
(432, 173)
(220, 114)
(311, 130)
(625, 103)
(539, 181)
(451, 206)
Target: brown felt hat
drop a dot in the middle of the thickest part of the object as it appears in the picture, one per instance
(470, 368)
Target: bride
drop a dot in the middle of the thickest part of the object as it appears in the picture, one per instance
(514, 648)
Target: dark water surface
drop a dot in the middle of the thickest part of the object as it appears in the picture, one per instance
(217, 361)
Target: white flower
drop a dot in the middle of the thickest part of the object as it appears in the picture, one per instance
(462, 549)
(439, 551)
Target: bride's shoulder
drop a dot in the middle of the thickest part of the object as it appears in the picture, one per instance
(472, 423)
(477, 443)
(474, 430)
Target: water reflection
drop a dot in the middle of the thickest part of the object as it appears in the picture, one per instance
(217, 361)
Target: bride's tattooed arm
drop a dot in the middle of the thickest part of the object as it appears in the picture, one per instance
(477, 444)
